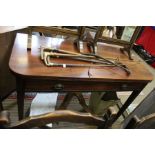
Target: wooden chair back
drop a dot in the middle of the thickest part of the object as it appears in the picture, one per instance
(56, 116)
(147, 122)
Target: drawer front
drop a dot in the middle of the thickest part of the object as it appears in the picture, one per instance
(62, 86)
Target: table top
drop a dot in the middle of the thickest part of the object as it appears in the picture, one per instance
(28, 64)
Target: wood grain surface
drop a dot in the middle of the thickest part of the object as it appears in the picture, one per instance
(28, 63)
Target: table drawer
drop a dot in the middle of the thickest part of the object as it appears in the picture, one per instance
(62, 86)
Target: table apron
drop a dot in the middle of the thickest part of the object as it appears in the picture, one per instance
(67, 86)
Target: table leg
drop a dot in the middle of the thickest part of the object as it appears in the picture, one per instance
(69, 97)
(20, 97)
(82, 101)
(126, 104)
(66, 101)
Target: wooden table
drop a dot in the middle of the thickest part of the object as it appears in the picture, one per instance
(32, 75)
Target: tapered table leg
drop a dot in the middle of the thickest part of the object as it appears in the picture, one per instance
(20, 97)
(126, 104)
